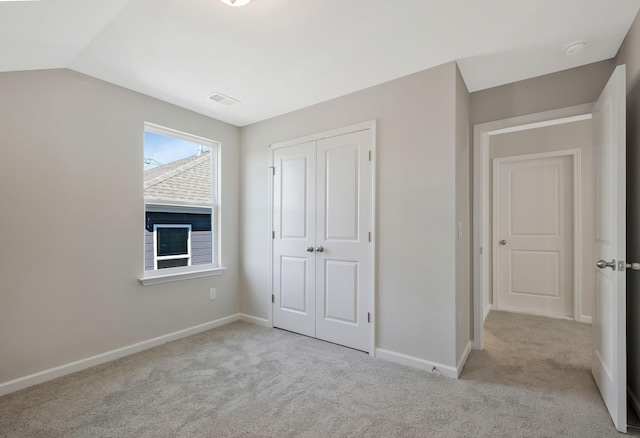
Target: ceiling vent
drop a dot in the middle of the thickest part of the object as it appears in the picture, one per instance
(225, 100)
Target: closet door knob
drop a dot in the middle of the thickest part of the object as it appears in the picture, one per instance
(309, 248)
(320, 249)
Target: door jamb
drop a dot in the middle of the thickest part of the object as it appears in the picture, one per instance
(481, 136)
(576, 164)
(371, 126)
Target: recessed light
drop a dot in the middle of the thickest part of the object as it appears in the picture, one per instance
(235, 2)
(574, 47)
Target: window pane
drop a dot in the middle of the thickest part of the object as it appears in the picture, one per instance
(180, 194)
(176, 170)
(173, 263)
(172, 241)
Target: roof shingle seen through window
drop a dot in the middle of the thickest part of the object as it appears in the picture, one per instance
(188, 179)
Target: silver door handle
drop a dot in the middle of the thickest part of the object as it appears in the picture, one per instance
(320, 249)
(633, 266)
(503, 242)
(309, 248)
(604, 264)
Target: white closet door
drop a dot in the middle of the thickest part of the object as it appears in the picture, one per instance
(343, 222)
(294, 208)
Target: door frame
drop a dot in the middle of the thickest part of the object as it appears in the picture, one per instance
(481, 139)
(576, 166)
(371, 126)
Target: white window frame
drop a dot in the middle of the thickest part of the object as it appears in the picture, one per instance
(157, 258)
(216, 267)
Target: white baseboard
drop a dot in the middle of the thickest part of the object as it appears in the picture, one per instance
(79, 365)
(254, 320)
(586, 319)
(415, 362)
(463, 359)
(633, 401)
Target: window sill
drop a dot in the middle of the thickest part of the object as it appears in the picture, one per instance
(158, 278)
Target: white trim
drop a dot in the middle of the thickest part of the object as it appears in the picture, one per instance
(481, 136)
(372, 299)
(414, 362)
(160, 276)
(371, 126)
(79, 365)
(271, 231)
(217, 265)
(169, 132)
(254, 320)
(325, 134)
(216, 208)
(543, 124)
(585, 319)
(170, 207)
(463, 359)
(576, 163)
(157, 258)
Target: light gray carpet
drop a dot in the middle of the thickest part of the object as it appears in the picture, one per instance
(241, 380)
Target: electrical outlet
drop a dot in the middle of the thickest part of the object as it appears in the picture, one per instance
(212, 293)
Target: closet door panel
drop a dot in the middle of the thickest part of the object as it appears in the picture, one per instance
(294, 204)
(343, 221)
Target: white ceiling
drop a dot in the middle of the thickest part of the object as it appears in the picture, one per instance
(277, 56)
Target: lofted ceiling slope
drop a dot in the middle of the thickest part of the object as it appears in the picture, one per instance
(276, 56)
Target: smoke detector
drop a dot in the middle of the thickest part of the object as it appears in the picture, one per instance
(223, 99)
(574, 47)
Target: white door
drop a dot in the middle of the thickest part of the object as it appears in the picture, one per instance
(322, 216)
(342, 233)
(294, 207)
(609, 314)
(533, 244)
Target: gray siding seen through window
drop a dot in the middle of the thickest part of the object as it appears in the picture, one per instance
(200, 248)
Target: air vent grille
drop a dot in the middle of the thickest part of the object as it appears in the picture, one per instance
(223, 99)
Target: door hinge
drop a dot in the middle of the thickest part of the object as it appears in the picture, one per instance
(369, 317)
(273, 298)
(369, 236)
(369, 155)
(273, 234)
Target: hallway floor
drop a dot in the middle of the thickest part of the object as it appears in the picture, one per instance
(549, 357)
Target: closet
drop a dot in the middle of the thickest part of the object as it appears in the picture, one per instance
(322, 251)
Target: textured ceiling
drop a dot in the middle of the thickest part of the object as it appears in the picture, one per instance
(277, 56)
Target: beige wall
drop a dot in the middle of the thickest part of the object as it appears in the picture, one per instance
(464, 297)
(576, 135)
(72, 222)
(416, 206)
(629, 54)
(566, 88)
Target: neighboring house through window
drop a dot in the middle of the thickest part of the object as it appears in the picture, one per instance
(180, 192)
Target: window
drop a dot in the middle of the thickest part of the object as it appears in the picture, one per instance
(180, 195)
(172, 246)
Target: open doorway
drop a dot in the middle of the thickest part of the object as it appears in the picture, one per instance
(563, 132)
(541, 215)
(539, 288)
(608, 240)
